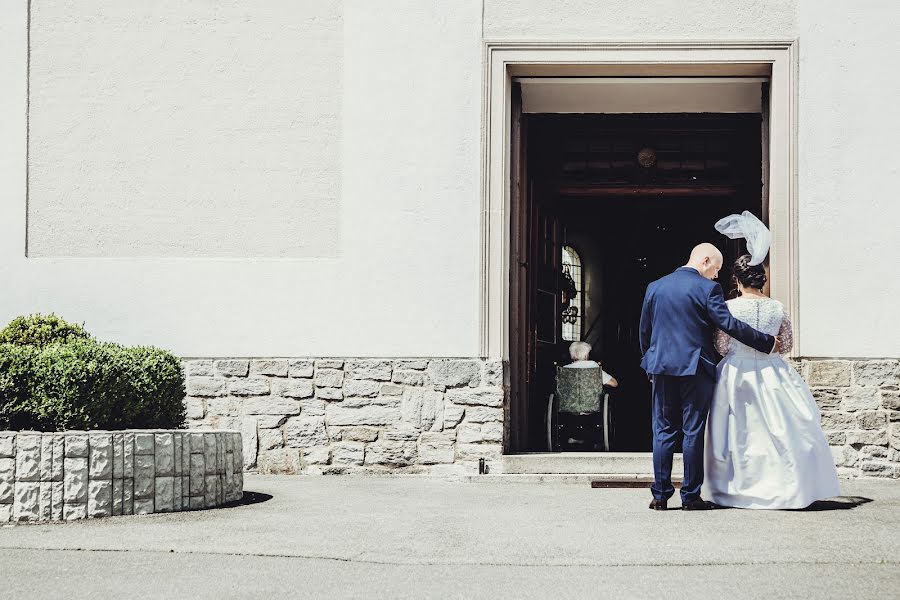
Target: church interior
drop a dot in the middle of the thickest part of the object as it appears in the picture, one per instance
(615, 202)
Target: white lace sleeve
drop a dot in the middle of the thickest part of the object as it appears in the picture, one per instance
(785, 335)
(721, 342)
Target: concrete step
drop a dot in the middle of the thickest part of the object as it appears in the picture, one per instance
(629, 464)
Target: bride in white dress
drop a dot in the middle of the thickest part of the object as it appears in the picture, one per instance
(764, 443)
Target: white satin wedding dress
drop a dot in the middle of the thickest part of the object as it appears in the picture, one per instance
(764, 443)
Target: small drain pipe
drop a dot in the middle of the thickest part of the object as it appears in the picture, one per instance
(482, 466)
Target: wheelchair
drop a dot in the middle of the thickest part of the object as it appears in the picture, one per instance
(580, 410)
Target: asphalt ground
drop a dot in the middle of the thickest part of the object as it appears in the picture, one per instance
(417, 537)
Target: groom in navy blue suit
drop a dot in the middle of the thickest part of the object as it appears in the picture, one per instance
(680, 315)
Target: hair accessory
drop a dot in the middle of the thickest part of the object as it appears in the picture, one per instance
(746, 225)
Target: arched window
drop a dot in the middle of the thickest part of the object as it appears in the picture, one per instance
(573, 314)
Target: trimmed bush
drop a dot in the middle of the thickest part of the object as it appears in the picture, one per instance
(82, 383)
(41, 330)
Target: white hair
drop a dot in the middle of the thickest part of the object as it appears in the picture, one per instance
(579, 350)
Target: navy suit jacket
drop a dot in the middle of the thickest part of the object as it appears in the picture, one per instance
(680, 315)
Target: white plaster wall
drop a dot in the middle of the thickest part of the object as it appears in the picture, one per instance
(185, 129)
(411, 163)
(402, 276)
(403, 279)
(639, 19)
(848, 178)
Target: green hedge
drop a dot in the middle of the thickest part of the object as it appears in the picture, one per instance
(41, 330)
(51, 382)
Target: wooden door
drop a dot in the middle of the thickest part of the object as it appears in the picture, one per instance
(520, 255)
(536, 239)
(545, 323)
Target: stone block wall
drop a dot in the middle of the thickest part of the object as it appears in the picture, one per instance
(80, 474)
(440, 416)
(321, 416)
(860, 405)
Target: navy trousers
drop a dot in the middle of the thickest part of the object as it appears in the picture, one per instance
(680, 410)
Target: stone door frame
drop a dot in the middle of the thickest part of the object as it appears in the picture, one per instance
(504, 59)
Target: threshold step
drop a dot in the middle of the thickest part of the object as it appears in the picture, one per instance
(595, 480)
(638, 464)
(607, 482)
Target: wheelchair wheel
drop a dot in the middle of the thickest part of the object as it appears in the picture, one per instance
(608, 431)
(552, 425)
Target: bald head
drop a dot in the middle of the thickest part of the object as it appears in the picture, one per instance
(704, 251)
(707, 259)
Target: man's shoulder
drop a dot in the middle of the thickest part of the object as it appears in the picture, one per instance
(708, 285)
(667, 278)
(651, 289)
(683, 277)
(684, 284)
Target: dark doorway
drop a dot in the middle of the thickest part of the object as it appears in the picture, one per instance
(631, 195)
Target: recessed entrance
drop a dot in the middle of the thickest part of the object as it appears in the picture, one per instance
(609, 203)
(506, 184)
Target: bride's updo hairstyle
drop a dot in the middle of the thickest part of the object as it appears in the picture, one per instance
(749, 276)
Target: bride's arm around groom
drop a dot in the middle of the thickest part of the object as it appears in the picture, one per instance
(721, 316)
(784, 340)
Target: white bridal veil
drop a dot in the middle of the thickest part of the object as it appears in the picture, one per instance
(747, 226)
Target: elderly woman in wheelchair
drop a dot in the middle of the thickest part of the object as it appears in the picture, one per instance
(580, 403)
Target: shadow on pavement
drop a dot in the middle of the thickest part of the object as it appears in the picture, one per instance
(838, 503)
(249, 498)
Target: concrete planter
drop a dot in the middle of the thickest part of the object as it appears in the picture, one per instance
(89, 474)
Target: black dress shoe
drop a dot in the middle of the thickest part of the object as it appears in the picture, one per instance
(658, 505)
(697, 504)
